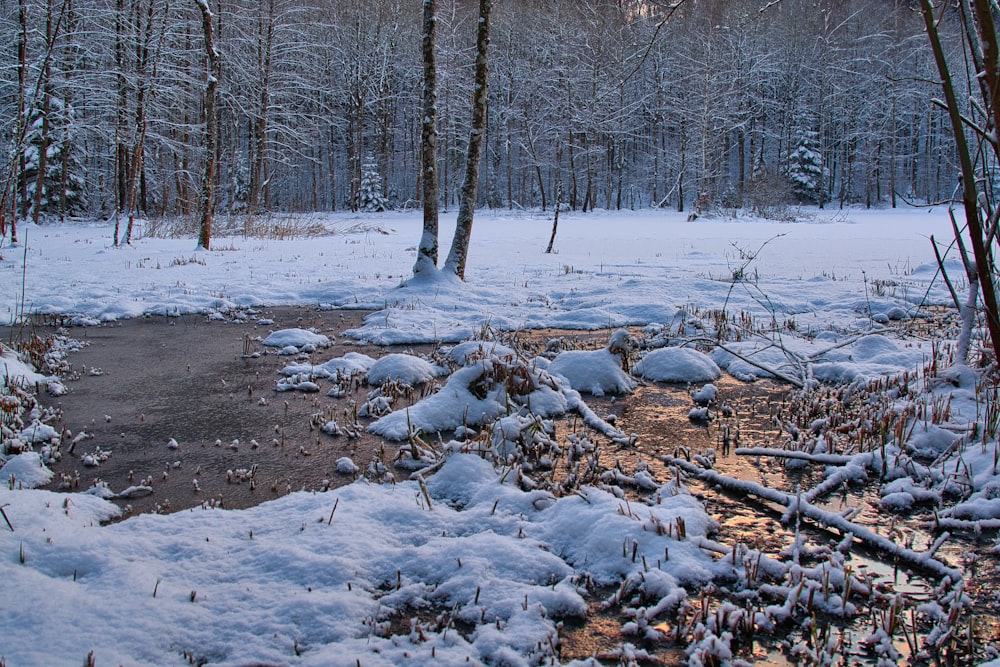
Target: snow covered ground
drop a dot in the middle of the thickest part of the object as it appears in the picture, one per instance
(470, 562)
(608, 270)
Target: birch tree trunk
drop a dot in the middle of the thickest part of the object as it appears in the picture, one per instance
(427, 251)
(211, 128)
(459, 252)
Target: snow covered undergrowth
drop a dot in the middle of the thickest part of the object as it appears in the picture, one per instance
(478, 558)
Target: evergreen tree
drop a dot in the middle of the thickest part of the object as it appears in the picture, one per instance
(805, 170)
(63, 189)
(372, 199)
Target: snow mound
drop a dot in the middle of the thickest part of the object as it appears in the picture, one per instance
(297, 338)
(446, 410)
(25, 471)
(38, 432)
(404, 368)
(596, 372)
(677, 364)
(930, 441)
(345, 466)
(869, 357)
(17, 372)
(762, 353)
(476, 395)
(352, 363)
(705, 395)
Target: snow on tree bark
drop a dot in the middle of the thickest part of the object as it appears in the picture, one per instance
(211, 85)
(427, 251)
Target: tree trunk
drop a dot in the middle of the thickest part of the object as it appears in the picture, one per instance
(211, 129)
(121, 148)
(555, 218)
(970, 194)
(265, 40)
(146, 74)
(459, 253)
(427, 252)
(43, 150)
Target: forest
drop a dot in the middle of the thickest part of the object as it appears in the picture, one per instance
(613, 104)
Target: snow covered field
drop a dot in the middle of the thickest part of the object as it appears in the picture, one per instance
(608, 270)
(469, 563)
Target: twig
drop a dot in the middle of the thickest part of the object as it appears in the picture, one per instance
(742, 357)
(427, 494)
(429, 470)
(9, 525)
(944, 274)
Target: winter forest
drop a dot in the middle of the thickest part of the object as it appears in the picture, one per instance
(621, 104)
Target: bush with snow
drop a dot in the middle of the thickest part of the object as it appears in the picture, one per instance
(473, 396)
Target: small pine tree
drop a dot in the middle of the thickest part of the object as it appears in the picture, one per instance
(62, 151)
(372, 199)
(805, 170)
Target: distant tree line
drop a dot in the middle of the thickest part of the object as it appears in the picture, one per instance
(317, 105)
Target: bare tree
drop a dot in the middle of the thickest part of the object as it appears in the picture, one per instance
(211, 127)
(427, 251)
(459, 253)
(977, 200)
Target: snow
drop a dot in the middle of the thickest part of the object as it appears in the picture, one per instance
(289, 577)
(25, 471)
(611, 270)
(677, 364)
(471, 350)
(348, 365)
(17, 371)
(707, 394)
(402, 368)
(596, 372)
(319, 578)
(296, 338)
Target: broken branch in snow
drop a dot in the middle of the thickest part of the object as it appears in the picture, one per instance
(798, 505)
(590, 418)
(822, 459)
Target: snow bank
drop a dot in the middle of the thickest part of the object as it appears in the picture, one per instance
(291, 582)
(25, 471)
